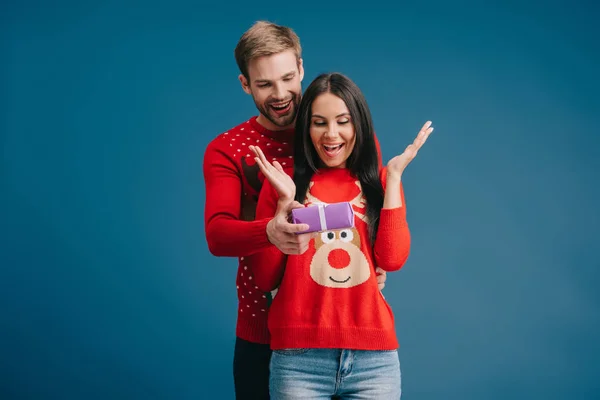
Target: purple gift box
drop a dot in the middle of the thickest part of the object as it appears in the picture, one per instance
(322, 217)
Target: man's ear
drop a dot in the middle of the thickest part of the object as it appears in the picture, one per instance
(301, 69)
(245, 84)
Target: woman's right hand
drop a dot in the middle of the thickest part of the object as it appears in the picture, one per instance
(281, 182)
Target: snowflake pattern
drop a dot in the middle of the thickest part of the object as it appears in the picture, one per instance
(251, 298)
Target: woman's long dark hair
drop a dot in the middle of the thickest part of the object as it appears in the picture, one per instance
(363, 162)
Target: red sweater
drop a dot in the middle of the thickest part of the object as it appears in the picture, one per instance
(233, 182)
(328, 296)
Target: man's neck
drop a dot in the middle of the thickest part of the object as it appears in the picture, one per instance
(264, 121)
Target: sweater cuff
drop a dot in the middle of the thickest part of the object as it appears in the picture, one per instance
(259, 234)
(391, 219)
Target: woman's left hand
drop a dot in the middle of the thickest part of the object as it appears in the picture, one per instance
(398, 164)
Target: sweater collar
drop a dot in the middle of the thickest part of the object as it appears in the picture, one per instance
(336, 173)
(285, 135)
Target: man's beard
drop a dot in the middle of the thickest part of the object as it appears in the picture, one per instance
(277, 120)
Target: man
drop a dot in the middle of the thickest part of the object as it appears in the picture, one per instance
(269, 57)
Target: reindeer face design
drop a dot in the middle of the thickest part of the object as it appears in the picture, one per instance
(338, 261)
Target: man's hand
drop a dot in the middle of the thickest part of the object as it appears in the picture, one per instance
(381, 277)
(284, 235)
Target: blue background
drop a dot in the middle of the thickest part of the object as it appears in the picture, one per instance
(107, 288)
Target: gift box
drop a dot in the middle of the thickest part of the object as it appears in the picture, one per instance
(322, 217)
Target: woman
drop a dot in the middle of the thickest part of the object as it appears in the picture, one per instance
(332, 332)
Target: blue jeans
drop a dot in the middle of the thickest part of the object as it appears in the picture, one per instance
(346, 374)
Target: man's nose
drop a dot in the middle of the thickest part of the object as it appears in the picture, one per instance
(279, 92)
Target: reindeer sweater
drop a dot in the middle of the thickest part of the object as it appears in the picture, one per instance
(233, 183)
(328, 296)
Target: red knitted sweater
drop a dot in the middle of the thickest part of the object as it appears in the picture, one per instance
(328, 296)
(233, 182)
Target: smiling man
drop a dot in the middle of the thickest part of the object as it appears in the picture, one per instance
(275, 87)
(269, 57)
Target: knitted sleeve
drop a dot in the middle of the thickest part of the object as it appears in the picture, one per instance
(226, 234)
(392, 244)
(268, 264)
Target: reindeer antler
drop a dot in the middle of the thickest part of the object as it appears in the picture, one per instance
(309, 197)
(360, 202)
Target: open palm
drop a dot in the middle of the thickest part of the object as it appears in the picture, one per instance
(281, 182)
(398, 164)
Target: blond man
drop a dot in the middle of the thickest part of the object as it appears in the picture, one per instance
(269, 57)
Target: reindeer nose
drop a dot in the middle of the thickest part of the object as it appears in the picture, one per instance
(338, 258)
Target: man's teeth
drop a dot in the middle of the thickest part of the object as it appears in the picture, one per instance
(332, 148)
(280, 107)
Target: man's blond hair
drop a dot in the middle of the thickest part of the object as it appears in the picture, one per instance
(264, 39)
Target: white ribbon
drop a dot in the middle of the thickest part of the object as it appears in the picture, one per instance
(322, 216)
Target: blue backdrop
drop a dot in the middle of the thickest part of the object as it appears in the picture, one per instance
(107, 288)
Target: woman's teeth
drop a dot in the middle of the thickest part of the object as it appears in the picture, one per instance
(332, 148)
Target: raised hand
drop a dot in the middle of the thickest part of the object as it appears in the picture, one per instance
(281, 182)
(396, 165)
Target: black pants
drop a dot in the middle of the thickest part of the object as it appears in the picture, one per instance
(251, 370)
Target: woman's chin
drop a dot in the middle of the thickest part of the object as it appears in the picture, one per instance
(333, 164)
